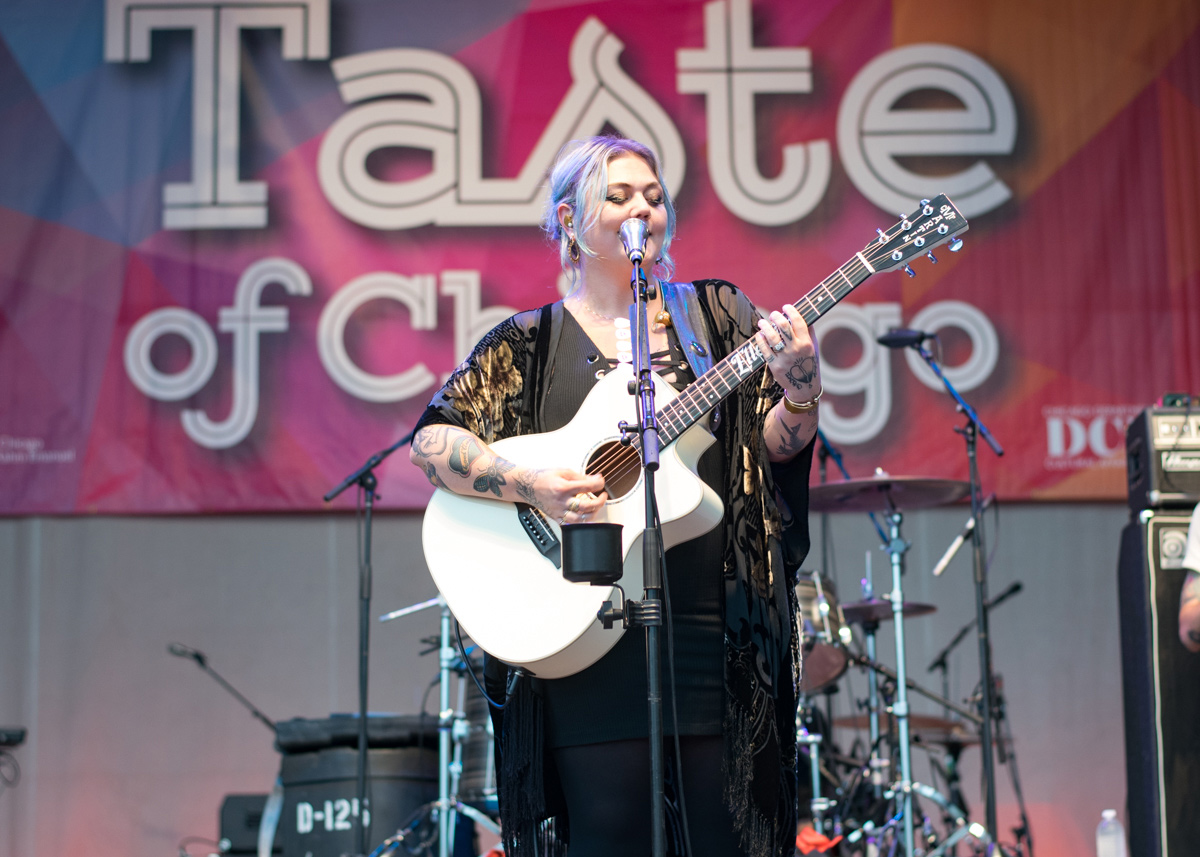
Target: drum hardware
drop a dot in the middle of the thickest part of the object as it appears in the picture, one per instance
(882, 492)
(819, 805)
(890, 495)
(880, 610)
(451, 735)
(823, 632)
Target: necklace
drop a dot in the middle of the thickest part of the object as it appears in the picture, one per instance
(661, 318)
(605, 318)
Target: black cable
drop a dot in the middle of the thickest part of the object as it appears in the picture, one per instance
(462, 651)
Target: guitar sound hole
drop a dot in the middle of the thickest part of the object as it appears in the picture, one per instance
(620, 466)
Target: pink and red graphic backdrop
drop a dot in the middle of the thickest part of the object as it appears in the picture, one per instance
(1089, 275)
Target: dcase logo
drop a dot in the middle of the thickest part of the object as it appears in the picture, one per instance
(1079, 436)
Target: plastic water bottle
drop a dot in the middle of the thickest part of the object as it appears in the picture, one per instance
(1110, 835)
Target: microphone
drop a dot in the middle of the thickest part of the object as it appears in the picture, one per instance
(962, 537)
(633, 239)
(1005, 595)
(902, 337)
(181, 651)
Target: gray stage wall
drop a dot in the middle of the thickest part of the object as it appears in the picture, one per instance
(130, 749)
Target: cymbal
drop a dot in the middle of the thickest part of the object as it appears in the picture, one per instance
(883, 493)
(878, 610)
(925, 728)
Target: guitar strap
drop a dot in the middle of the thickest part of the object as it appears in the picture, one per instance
(690, 329)
(683, 305)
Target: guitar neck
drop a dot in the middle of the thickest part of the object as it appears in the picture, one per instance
(722, 379)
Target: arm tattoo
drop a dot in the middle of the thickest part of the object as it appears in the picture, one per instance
(492, 478)
(431, 441)
(431, 475)
(463, 453)
(524, 484)
(790, 443)
(803, 371)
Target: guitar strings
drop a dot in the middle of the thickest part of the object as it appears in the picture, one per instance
(626, 459)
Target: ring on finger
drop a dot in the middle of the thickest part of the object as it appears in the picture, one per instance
(573, 504)
(778, 346)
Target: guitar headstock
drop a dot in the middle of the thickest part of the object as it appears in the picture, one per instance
(934, 223)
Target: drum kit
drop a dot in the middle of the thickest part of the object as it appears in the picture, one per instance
(869, 803)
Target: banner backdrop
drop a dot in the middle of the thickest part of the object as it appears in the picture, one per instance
(242, 241)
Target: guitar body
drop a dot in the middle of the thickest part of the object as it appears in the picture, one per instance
(511, 599)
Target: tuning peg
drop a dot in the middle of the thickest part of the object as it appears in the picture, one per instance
(879, 232)
(932, 258)
(908, 270)
(955, 244)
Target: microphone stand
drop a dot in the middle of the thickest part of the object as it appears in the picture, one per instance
(970, 432)
(364, 477)
(202, 661)
(649, 613)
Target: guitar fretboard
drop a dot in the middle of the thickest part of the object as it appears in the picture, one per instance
(682, 412)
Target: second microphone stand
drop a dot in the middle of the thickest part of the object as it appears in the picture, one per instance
(973, 429)
(364, 477)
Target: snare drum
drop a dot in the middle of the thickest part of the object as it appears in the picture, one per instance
(477, 785)
(821, 623)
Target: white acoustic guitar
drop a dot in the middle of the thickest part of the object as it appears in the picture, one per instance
(497, 563)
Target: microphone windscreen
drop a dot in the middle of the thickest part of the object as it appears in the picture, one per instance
(900, 337)
(633, 238)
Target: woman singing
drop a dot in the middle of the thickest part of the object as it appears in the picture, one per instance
(575, 750)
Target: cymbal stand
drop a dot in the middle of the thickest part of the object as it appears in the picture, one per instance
(878, 765)
(896, 548)
(819, 805)
(447, 805)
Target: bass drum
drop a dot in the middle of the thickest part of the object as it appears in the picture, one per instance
(821, 624)
(477, 785)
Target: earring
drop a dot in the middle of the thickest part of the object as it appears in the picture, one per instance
(573, 250)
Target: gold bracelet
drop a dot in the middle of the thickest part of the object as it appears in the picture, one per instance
(801, 407)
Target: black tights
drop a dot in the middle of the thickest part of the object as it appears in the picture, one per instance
(607, 788)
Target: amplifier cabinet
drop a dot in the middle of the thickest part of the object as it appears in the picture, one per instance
(1162, 459)
(1161, 681)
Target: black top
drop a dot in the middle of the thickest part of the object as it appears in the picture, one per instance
(607, 701)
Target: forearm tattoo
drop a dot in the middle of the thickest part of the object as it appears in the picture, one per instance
(463, 452)
(492, 478)
(523, 482)
(790, 441)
